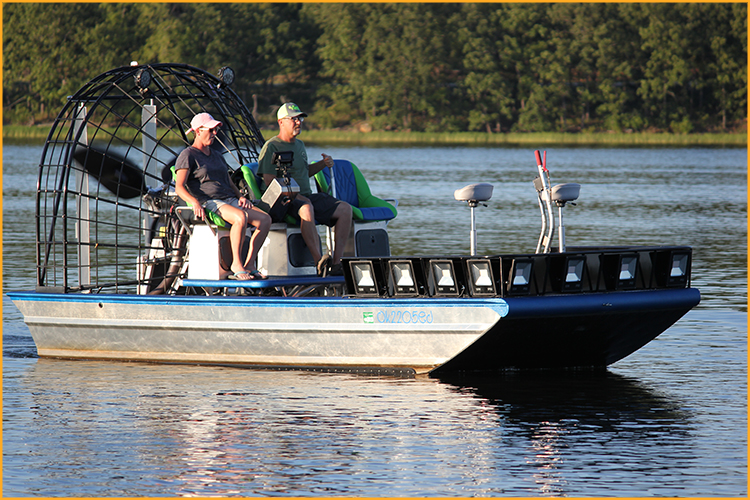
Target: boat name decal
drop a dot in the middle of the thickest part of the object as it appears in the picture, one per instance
(404, 316)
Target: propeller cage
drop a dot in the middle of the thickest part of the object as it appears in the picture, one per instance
(104, 190)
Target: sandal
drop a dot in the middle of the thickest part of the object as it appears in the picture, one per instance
(241, 276)
(257, 275)
(323, 265)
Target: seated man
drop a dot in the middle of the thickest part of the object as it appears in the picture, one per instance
(307, 206)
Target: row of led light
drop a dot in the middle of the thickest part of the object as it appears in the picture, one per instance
(442, 279)
(627, 270)
(676, 273)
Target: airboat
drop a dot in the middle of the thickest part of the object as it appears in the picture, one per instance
(125, 272)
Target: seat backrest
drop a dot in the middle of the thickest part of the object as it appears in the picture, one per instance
(352, 188)
(250, 176)
(344, 179)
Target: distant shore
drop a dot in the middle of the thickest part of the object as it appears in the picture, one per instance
(541, 139)
(515, 139)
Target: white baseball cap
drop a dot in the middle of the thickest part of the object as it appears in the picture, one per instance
(203, 120)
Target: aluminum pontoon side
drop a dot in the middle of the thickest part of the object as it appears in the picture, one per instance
(417, 335)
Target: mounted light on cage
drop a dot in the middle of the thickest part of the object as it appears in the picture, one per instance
(519, 281)
(401, 281)
(142, 79)
(481, 280)
(442, 278)
(225, 76)
(573, 279)
(363, 275)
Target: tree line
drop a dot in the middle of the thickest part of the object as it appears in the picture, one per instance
(402, 66)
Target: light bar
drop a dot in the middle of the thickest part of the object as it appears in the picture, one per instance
(481, 280)
(363, 274)
(442, 278)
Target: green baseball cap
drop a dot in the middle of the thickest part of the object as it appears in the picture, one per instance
(289, 110)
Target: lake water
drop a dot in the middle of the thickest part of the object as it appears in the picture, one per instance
(670, 420)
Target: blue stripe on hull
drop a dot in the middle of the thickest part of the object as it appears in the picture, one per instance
(286, 302)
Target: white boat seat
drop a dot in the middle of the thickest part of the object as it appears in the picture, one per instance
(474, 192)
(563, 193)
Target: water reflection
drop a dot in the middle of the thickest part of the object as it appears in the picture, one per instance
(198, 431)
(617, 422)
(597, 401)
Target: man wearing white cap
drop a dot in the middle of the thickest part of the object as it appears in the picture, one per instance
(307, 206)
(202, 180)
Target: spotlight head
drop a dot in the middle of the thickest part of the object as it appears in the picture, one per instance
(627, 271)
(481, 279)
(672, 267)
(620, 270)
(572, 279)
(363, 276)
(519, 280)
(401, 278)
(442, 278)
(678, 269)
(142, 79)
(225, 76)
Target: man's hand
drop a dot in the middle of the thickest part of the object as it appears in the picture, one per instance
(327, 160)
(319, 165)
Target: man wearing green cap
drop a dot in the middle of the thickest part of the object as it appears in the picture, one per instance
(307, 206)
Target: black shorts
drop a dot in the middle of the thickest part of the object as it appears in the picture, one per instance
(323, 204)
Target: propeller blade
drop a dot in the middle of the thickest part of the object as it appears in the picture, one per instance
(112, 170)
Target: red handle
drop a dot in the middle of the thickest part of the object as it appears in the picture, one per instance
(539, 161)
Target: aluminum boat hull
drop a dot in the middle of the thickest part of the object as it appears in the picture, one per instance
(414, 335)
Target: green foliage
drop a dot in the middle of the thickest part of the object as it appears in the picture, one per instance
(493, 68)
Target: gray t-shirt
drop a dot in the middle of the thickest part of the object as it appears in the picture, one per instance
(208, 176)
